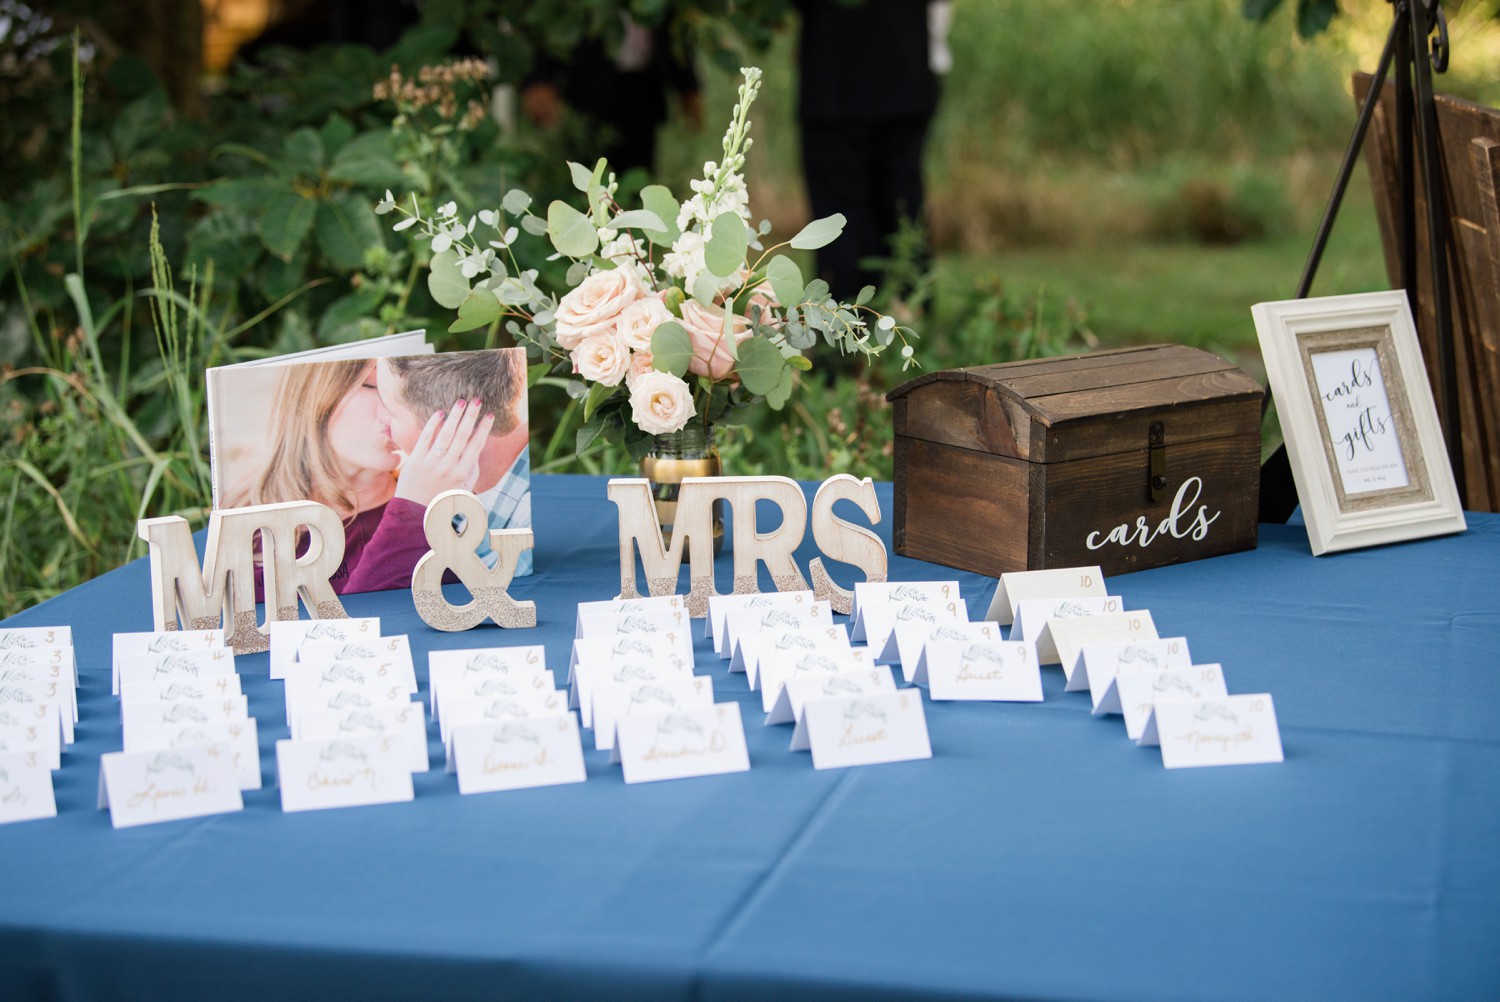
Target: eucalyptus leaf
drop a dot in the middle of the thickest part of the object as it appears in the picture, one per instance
(817, 291)
(581, 176)
(479, 309)
(820, 232)
(705, 289)
(534, 225)
(671, 349)
(515, 201)
(447, 284)
(786, 280)
(865, 295)
(778, 395)
(571, 232)
(638, 219)
(760, 366)
(512, 292)
(727, 243)
(658, 199)
(800, 362)
(577, 272)
(885, 323)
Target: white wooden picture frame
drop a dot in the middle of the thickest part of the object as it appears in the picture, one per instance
(1358, 416)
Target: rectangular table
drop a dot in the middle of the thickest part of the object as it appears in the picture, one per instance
(1038, 854)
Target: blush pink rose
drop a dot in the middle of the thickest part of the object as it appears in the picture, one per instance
(763, 297)
(638, 321)
(596, 304)
(661, 403)
(602, 358)
(640, 364)
(705, 328)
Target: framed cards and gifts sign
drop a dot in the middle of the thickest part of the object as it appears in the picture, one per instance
(1361, 428)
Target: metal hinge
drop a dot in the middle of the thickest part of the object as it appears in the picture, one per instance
(1158, 477)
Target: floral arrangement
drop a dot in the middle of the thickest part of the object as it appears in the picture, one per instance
(675, 312)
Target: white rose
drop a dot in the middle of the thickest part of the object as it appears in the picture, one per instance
(638, 321)
(661, 403)
(602, 358)
(592, 308)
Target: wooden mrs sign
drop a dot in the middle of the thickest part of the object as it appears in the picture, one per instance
(223, 591)
(837, 539)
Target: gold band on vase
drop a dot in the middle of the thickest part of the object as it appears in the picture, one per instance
(673, 471)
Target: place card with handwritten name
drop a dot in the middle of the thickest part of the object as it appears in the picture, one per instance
(487, 709)
(180, 666)
(518, 754)
(798, 692)
(778, 667)
(870, 593)
(614, 700)
(623, 606)
(1102, 662)
(675, 645)
(388, 650)
(863, 730)
(342, 696)
(167, 642)
(44, 739)
(287, 637)
(178, 690)
(1055, 583)
(880, 620)
(241, 736)
(443, 666)
(1228, 730)
(750, 622)
(720, 606)
(589, 676)
(750, 649)
(404, 727)
(25, 698)
(149, 716)
(341, 772)
(25, 787)
(529, 687)
(1070, 636)
(986, 670)
(56, 681)
(148, 787)
(1033, 616)
(1140, 690)
(682, 744)
(43, 716)
(908, 640)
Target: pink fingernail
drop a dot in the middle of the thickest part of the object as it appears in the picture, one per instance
(475, 401)
(440, 414)
(459, 406)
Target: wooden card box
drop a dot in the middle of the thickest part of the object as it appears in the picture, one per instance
(1128, 459)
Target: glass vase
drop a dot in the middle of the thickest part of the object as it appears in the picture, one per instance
(689, 452)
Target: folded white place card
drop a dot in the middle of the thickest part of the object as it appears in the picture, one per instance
(460, 710)
(909, 639)
(1057, 582)
(1139, 691)
(43, 716)
(614, 700)
(51, 643)
(627, 624)
(341, 772)
(880, 619)
(168, 642)
(747, 622)
(1033, 615)
(25, 788)
(623, 606)
(518, 754)
(342, 697)
(750, 649)
(404, 727)
(798, 692)
(241, 736)
(525, 686)
(863, 730)
(150, 716)
(898, 592)
(28, 699)
(1102, 662)
(179, 665)
(43, 740)
(396, 649)
(1070, 636)
(288, 636)
(56, 681)
(720, 606)
(1230, 730)
(360, 673)
(587, 676)
(143, 788)
(685, 743)
(178, 690)
(676, 645)
(488, 662)
(992, 670)
(776, 668)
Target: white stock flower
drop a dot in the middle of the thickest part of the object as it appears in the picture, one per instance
(660, 403)
(638, 321)
(602, 358)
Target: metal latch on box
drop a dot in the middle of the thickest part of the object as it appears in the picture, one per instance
(1158, 476)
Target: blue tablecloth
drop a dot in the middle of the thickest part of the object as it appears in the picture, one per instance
(1038, 854)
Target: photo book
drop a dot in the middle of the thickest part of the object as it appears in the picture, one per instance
(375, 430)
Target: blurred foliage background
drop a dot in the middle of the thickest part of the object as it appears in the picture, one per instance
(1101, 173)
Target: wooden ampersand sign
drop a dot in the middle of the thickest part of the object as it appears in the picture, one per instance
(457, 550)
(222, 592)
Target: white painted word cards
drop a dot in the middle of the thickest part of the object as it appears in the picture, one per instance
(287, 637)
(679, 745)
(517, 754)
(1056, 583)
(168, 642)
(25, 787)
(863, 730)
(1228, 730)
(1102, 662)
(1034, 616)
(720, 606)
(341, 772)
(1070, 636)
(142, 788)
(989, 670)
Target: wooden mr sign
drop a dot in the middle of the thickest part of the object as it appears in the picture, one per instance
(837, 539)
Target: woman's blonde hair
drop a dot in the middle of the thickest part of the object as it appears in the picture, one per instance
(298, 463)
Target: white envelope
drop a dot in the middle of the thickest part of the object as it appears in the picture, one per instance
(1231, 730)
(985, 670)
(1139, 691)
(587, 676)
(679, 745)
(143, 788)
(1070, 636)
(43, 740)
(863, 730)
(748, 652)
(25, 787)
(168, 642)
(288, 636)
(910, 639)
(746, 622)
(1033, 615)
(798, 692)
(461, 711)
(614, 700)
(899, 592)
(1102, 662)
(241, 736)
(720, 606)
(620, 606)
(776, 668)
(150, 716)
(343, 772)
(518, 754)
(1057, 582)
(404, 727)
